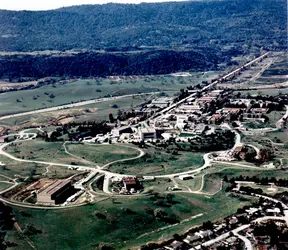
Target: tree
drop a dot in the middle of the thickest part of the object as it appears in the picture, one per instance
(264, 154)
(250, 154)
(207, 225)
(159, 214)
(169, 198)
(111, 118)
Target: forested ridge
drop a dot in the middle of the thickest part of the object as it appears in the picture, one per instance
(105, 64)
(138, 39)
(116, 26)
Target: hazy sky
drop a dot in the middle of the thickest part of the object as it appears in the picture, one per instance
(53, 4)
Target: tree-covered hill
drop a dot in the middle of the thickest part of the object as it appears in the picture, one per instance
(105, 64)
(261, 22)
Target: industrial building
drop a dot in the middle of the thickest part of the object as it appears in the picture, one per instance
(147, 133)
(56, 193)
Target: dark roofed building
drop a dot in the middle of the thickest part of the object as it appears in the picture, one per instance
(55, 193)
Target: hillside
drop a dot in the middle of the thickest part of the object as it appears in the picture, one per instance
(105, 64)
(119, 26)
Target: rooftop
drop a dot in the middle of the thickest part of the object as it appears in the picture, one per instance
(148, 130)
(54, 187)
(129, 180)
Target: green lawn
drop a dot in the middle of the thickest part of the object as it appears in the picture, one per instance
(159, 162)
(39, 150)
(79, 90)
(102, 154)
(212, 183)
(4, 185)
(15, 168)
(79, 228)
(220, 170)
(265, 91)
(194, 184)
(279, 136)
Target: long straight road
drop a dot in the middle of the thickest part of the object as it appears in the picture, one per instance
(73, 105)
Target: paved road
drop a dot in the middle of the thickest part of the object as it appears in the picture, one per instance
(279, 123)
(77, 104)
(247, 242)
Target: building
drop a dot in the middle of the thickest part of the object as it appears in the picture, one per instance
(204, 234)
(207, 99)
(232, 110)
(185, 177)
(161, 102)
(121, 130)
(237, 149)
(259, 110)
(188, 108)
(215, 119)
(216, 92)
(178, 245)
(130, 183)
(55, 193)
(147, 133)
(192, 238)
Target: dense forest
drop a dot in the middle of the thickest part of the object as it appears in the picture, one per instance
(138, 39)
(116, 26)
(104, 64)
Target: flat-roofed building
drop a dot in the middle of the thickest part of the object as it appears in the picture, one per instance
(259, 110)
(147, 133)
(55, 193)
(120, 130)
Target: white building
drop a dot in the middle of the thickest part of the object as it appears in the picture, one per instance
(186, 177)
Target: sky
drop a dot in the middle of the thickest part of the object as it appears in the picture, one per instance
(54, 4)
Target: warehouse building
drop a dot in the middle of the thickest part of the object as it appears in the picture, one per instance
(56, 193)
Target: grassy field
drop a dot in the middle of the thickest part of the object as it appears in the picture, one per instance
(194, 184)
(122, 223)
(4, 185)
(79, 90)
(212, 183)
(91, 112)
(15, 168)
(266, 189)
(158, 185)
(265, 91)
(102, 154)
(39, 150)
(274, 116)
(280, 150)
(279, 136)
(220, 170)
(158, 162)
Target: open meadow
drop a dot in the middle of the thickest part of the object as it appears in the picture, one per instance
(102, 154)
(91, 112)
(65, 92)
(157, 162)
(122, 222)
(39, 150)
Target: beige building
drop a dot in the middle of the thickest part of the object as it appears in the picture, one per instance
(147, 133)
